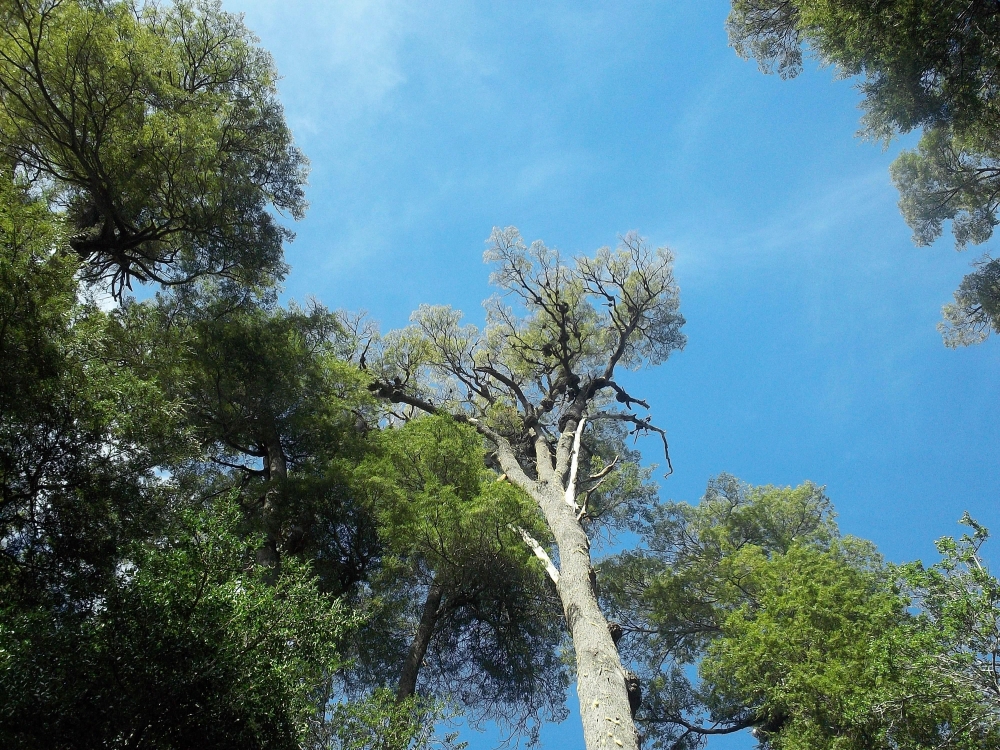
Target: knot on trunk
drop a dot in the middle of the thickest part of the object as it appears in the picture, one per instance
(634, 690)
(616, 632)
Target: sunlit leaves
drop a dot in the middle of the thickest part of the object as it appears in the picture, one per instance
(159, 129)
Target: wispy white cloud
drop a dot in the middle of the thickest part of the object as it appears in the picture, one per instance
(806, 223)
(339, 60)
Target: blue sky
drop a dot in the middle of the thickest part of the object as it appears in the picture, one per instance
(812, 350)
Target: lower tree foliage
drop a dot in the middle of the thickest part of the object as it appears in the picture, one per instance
(801, 635)
(465, 611)
(380, 721)
(189, 645)
(132, 613)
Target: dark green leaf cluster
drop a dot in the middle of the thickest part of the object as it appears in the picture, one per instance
(187, 645)
(158, 128)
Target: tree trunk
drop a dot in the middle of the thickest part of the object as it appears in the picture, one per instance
(418, 648)
(277, 472)
(600, 679)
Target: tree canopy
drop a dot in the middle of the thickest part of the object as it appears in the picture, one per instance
(530, 384)
(230, 522)
(801, 635)
(158, 128)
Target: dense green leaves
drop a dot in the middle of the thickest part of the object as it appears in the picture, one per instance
(275, 411)
(79, 436)
(130, 611)
(803, 636)
(186, 646)
(158, 128)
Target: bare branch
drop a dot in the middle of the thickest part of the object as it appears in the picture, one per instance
(514, 387)
(641, 425)
(540, 553)
(574, 466)
(603, 473)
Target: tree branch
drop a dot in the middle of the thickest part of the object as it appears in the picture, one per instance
(574, 465)
(603, 472)
(497, 375)
(540, 553)
(641, 425)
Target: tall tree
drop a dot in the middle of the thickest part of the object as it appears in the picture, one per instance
(158, 128)
(927, 64)
(531, 383)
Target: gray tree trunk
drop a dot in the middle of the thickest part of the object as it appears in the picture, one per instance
(600, 683)
(277, 472)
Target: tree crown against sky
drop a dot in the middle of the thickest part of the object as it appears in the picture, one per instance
(805, 637)
(544, 361)
(158, 128)
(530, 383)
(923, 65)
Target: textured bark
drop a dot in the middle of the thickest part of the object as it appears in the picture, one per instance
(418, 648)
(601, 679)
(277, 472)
(600, 683)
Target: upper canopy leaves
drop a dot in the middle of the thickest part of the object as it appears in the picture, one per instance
(160, 130)
(931, 64)
(551, 360)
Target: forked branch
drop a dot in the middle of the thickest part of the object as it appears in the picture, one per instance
(640, 426)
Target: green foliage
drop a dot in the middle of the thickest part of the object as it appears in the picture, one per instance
(446, 521)
(159, 128)
(128, 611)
(380, 722)
(959, 601)
(187, 646)
(924, 62)
(803, 636)
(813, 655)
(929, 64)
(276, 415)
(79, 436)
